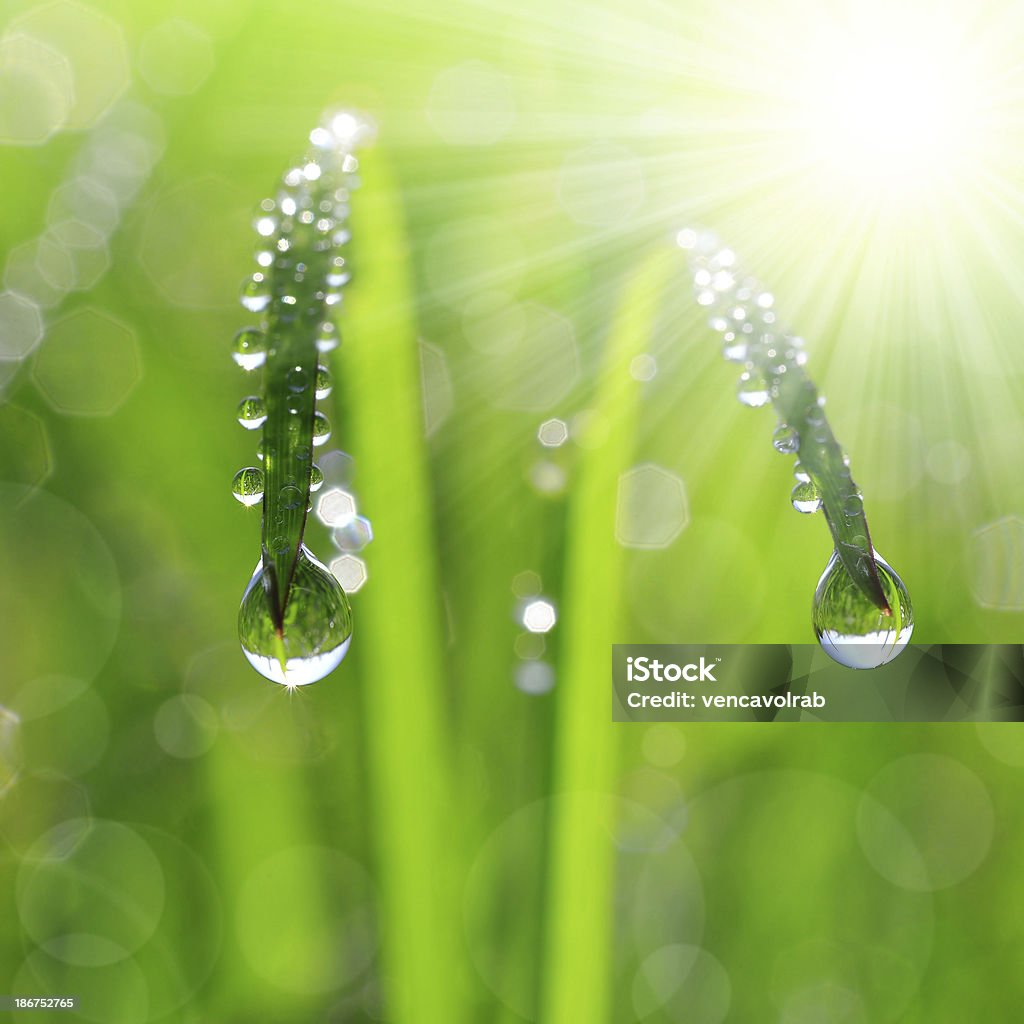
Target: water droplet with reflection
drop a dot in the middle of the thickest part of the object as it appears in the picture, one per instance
(316, 630)
(851, 629)
(247, 485)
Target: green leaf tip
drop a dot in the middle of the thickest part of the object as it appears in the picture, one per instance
(742, 311)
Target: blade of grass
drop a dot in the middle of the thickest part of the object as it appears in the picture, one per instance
(400, 617)
(741, 308)
(581, 861)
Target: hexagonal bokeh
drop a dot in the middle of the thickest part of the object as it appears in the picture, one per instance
(652, 509)
(193, 241)
(92, 45)
(553, 433)
(175, 57)
(354, 535)
(86, 200)
(85, 248)
(350, 572)
(997, 560)
(121, 151)
(336, 507)
(36, 90)
(21, 326)
(538, 615)
(26, 447)
(28, 275)
(88, 364)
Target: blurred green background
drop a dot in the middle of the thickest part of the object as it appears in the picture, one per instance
(542, 434)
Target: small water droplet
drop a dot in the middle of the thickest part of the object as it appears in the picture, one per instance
(316, 478)
(256, 293)
(323, 382)
(752, 390)
(735, 351)
(786, 439)
(247, 485)
(800, 473)
(252, 412)
(317, 630)
(249, 349)
(321, 429)
(851, 629)
(327, 337)
(853, 505)
(289, 497)
(806, 497)
(298, 379)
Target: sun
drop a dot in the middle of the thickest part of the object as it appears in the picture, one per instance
(891, 107)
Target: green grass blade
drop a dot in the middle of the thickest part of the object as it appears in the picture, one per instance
(400, 617)
(577, 953)
(305, 246)
(741, 308)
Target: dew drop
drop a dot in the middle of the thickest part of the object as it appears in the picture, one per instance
(735, 351)
(327, 337)
(316, 478)
(249, 349)
(851, 629)
(323, 382)
(799, 473)
(853, 505)
(786, 440)
(297, 379)
(256, 293)
(316, 631)
(289, 497)
(806, 497)
(752, 390)
(321, 429)
(252, 412)
(247, 485)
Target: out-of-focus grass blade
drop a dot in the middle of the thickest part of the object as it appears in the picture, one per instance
(577, 953)
(399, 616)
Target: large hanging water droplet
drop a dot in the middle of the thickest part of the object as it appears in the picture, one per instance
(256, 293)
(851, 629)
(752, 390)
(316, 478)
(316, 631)
(247, 485)
(252, 412)
(806, 497)
(786, 440)
(249, 348)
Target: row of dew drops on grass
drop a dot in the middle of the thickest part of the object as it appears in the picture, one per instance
(331, 477)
